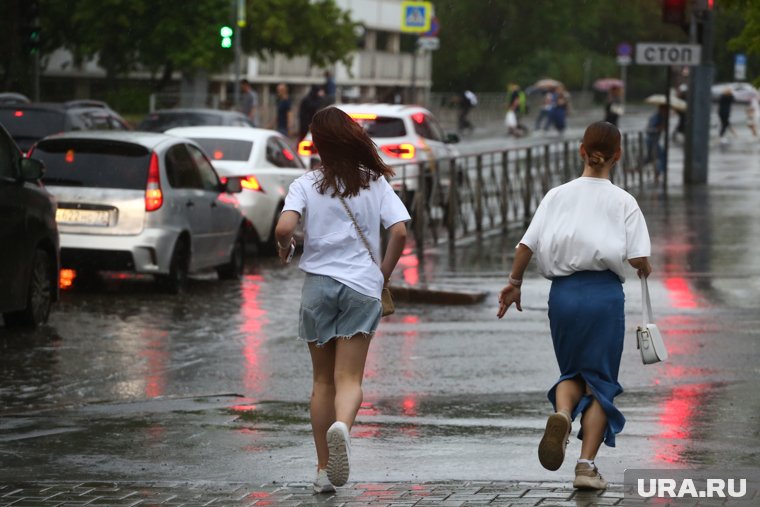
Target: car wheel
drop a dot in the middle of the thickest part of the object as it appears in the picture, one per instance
(234, 269)
(39, 296)
(176, 281)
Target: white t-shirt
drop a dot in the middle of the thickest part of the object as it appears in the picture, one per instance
(332, 247)
(588, 224)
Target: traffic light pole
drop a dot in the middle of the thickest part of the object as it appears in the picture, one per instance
(696, 161)
(239, 9)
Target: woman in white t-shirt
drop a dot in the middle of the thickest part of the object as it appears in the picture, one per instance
(582, 234)
(340, 300)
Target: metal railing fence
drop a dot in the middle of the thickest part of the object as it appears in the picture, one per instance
(451, 199)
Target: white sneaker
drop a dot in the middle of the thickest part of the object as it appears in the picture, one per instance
(339, 445)
(322, 483)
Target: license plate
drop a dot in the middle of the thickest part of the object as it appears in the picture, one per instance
(83, 217)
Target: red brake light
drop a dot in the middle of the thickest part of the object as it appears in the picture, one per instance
(418, 117)
(307, 148)
(405, 151)
(154, 198)
(66, 278)
(288, 154)
(251, 183)
(18, 114)
(218, 154)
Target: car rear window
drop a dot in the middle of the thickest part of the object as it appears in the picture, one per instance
(225, 149)
(94, 164)
(165, 121)
(383, 126)
(31, 123)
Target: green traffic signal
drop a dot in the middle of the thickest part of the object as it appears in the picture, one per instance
(226, 33)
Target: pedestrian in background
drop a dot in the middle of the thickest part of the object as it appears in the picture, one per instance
(284, 117)
(655, 150)
(342, 206)
(724, 112)
(310, 104)
(560, 106)
(613, 109)
(467, 101)
(753, 114)
(330, 88)
(543, 120)
(582, 234)
(249, 101)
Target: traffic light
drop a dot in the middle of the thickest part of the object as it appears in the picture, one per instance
(30, 28)
(226, 34)
(674, 11)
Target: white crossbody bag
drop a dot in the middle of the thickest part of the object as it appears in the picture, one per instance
(648, 337)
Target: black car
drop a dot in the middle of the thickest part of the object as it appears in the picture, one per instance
(29, 257)
(28, 123)
(165, 119)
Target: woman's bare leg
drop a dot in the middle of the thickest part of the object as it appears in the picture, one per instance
(322, 397)
(350, 356)
(594, 424)
(568, 394)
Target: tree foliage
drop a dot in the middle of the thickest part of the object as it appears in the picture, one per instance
(170, 35)
(488, 43)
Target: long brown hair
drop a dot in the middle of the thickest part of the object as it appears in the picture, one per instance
(349, 157)
(601, 141)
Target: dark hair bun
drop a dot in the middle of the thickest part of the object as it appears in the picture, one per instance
(596, 158)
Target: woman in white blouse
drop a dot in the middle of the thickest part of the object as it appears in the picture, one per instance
(341, 297)
(582, 234)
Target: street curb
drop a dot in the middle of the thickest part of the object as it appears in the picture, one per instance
(436, 296)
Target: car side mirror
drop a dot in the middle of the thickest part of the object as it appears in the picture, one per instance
(451, 138)
(32, 169)
(232, 186)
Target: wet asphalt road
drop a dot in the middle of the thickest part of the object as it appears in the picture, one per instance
(128, 384)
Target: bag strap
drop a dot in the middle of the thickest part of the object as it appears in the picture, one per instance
(646, 303)
(358, 229)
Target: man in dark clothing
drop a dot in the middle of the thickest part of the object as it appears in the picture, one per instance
(284, 118)
(310, 104)
(724, 111)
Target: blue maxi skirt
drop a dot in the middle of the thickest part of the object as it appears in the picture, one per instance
(587, 320)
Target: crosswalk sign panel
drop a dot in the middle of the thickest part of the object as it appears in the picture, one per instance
(416, 16)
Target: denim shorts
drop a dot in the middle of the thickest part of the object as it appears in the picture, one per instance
(330, 309)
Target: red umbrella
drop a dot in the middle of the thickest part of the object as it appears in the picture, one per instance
(607, 83)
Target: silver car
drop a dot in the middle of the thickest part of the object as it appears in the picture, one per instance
(142, 202)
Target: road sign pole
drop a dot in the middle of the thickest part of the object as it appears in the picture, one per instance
(667, 130)
(696, 161)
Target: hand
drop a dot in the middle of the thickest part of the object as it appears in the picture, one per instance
(509, 294)
(283, 252)
(645, 270)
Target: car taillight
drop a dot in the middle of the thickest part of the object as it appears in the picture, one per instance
(405, 151)
(251, 183)
(18, 114)
(307, 148)
(154, 198)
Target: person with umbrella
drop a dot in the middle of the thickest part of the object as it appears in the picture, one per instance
(724, 112)
(613, 110)
(655, 151)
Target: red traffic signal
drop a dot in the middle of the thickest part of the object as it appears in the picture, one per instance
(674, 11)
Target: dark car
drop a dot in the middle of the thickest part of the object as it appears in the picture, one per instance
(165, 119)
(28, 123)
(29, 257)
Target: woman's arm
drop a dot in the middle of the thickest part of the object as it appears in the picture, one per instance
(642, 266)
(396, 244)
(283, 233)
(511, 292)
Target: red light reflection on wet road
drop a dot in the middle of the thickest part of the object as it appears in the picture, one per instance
(680, 292)
(157, 356)
(254, 320)
(676, 420)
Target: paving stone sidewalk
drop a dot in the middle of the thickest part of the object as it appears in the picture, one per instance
(449, 493)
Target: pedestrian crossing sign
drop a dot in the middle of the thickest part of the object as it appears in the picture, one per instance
(416, 16)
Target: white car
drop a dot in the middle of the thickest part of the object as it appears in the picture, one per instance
(142, 202)
(743, 92)
(262, 160)
(405, 135)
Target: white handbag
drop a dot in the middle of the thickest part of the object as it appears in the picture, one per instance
(648, 337)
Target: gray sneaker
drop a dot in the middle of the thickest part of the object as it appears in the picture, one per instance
(322, 483)
(588, 477)
(339, 445)
(551, 450)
